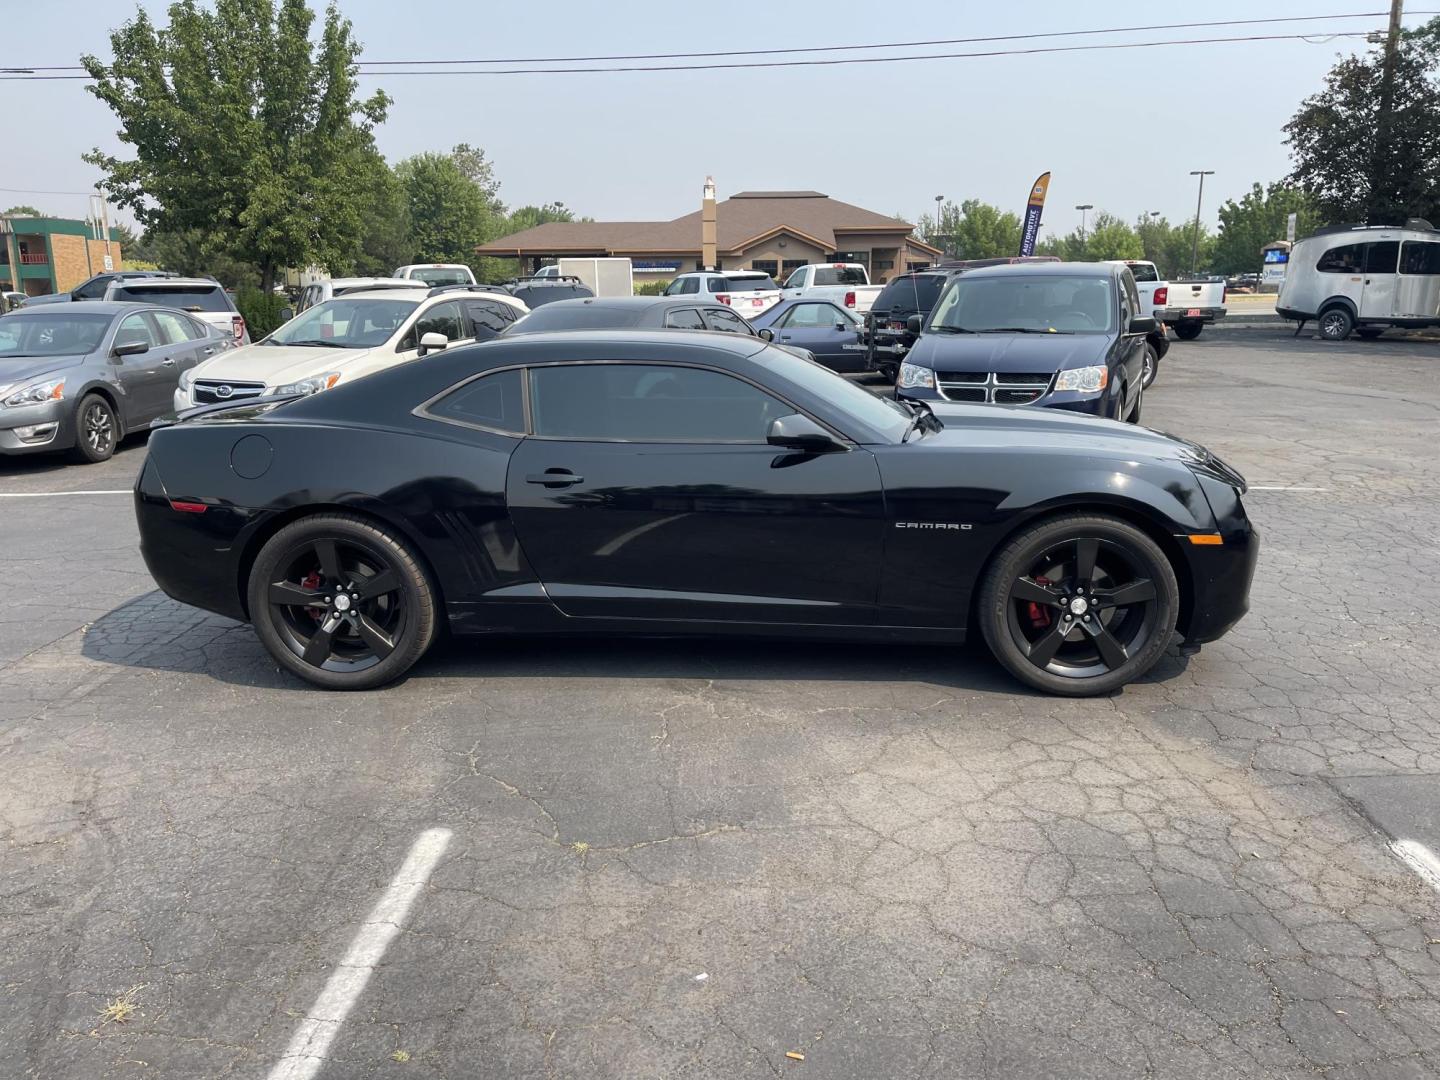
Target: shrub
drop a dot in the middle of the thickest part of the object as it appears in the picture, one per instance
(651, 288)
(261, 310)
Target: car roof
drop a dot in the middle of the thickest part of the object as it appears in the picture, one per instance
(1054, 269)
(392, 293)
(169, 283)
(90, 307)
(399, 283)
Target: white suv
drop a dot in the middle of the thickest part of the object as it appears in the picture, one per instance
(348, 338)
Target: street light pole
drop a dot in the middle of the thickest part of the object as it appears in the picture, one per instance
(1200, 195)
(1084, 236)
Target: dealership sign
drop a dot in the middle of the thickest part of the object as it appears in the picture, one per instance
(653, 265)
(1033, 209)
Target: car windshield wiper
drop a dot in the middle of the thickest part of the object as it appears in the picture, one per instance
(1020, 330)
(325, 344)
(950, 329)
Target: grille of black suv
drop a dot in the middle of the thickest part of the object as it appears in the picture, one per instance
(993, 387)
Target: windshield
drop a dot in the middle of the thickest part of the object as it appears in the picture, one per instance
(884, 415)
(51, 335)
(348, 323)
(185, 297)
(840, 275)
(1042, 305)
(433, 276)
(911, 294)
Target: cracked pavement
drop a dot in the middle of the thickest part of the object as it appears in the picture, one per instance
(890, 859)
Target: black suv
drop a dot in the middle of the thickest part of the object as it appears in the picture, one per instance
(94, 288)
(887, 335)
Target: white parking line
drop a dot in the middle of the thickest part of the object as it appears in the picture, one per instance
(306, 1053)
(1420, 859)
(60, 494)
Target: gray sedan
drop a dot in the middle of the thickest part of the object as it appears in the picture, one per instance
(82, 376)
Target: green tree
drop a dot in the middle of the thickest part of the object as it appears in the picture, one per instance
(386, 241)
(448, 212)
(1111, 238)
(1169, 246)
(972, 230)
(243, 130)
(1256, 220)
(527, 217)
(480, 172)
(23, 211)
(1359, 165)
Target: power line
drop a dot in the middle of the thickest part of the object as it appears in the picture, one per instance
(31, 70)
(361, 70)
(41, 191)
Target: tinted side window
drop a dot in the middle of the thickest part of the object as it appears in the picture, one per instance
(1381, 257)
(136, 328)
(1419, 257)
(727, 321)
(684, 319)
(490, 317)
(649, 403)
(494, 401)
(811, 316)
(93, 290)
(683, 287)
(174, 328)
(1144, 273)
(1342, 260)
(716, 285)
(441, 319)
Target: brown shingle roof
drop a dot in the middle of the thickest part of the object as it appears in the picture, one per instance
(740, 220)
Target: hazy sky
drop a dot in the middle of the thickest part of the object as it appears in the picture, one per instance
(1119, 129)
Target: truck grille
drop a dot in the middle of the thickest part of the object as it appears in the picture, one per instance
(209, 391)
(993, 387)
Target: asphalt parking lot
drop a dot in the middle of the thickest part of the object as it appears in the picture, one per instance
(658, 859)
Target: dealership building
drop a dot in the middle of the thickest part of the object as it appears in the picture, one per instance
(773, 231)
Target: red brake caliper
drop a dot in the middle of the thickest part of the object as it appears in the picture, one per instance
(1039, 616)
(312, 581)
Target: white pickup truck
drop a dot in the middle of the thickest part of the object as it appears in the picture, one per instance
(846, 285)
(1185, 305)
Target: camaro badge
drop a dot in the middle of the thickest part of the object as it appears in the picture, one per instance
(931, 525)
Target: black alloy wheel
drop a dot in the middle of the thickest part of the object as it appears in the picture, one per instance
(1151, 365)
(1336, 324)
(96, 430)
(341, 602)
(1079, 605)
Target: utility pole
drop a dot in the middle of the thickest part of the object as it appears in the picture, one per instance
(1380, 160)
(1199, 197)
(1084, 236)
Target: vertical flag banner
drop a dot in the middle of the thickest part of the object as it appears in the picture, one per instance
(1033, 210)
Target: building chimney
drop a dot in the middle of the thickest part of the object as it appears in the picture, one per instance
(707, 226)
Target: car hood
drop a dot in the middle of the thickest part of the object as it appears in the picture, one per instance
(26, 369)
(277, 364)
(1008, 352)
(1026, 427)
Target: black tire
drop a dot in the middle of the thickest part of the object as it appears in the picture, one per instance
(1035, 605)
(374, 630)
(97, 430)
(1188, 329)
(890, 372)
(1368, 333)
(1152, 365)
(1335, 323)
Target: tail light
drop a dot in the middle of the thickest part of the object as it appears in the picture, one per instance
(1162, 296)
(237, 327)
(849, 299)
(724, 298)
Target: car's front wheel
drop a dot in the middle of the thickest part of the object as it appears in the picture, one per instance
(341, 602)
(1079, 605)
(97, 430)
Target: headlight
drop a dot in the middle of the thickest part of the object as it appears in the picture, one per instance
(1087, 380)
(913, 375)
(312, 385)
(37, 393)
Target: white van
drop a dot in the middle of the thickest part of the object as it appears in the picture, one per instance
(1363, 278)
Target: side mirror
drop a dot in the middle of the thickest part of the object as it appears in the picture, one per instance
(1142, 324)
(913, 324)
(766, 334)
(133, 347)
(796, 432)
(286, 314)
(433, 342)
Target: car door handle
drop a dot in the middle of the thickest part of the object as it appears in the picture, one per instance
(555, 478)
(169, 361)
(209, 350)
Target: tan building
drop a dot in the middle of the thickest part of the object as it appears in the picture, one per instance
(773, 231)
(40, 255)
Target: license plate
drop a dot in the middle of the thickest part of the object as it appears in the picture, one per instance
(757, 302)
(1193, 313)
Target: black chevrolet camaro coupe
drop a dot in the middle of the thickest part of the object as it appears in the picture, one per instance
(686, 483)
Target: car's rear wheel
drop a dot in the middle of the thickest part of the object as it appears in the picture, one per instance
(1152, 365)
(1079, 605)
(97, 430)
(1336, 323)
(1188, 329)
(341, 602)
